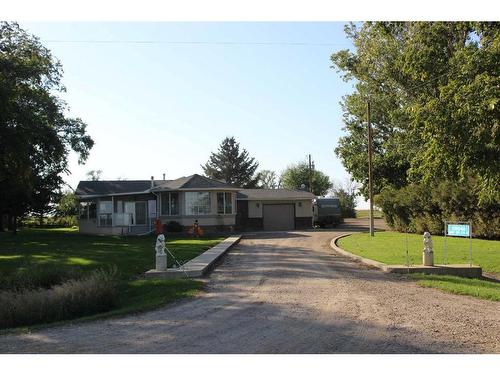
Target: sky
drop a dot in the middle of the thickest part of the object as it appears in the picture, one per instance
(163, 107)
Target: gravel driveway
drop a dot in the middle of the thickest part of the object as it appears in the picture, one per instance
(289, 293)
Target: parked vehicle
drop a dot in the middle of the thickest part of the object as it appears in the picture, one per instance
(326, 211)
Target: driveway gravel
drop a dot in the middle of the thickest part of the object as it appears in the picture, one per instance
(289, 293)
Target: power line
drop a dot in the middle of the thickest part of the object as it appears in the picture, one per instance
(428, 80)
(228, 43)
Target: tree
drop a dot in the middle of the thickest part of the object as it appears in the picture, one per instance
(346, 194)
(67, 205)
(230, 165)
(94, 175)
(35, 133)
(268, 179)
(434, 93)
(297, 175)
(46, 193)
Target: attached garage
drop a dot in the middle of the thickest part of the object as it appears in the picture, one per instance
(278, 216)
(273, 209)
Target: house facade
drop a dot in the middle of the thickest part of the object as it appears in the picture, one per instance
(132, 207)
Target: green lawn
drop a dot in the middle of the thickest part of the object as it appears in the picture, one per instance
(390, 248)
(131, 255)
(459, 285)
(362, 214)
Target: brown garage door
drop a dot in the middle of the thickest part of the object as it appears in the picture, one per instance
(279, 216)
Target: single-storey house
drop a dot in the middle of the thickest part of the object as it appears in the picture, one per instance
(131, 207)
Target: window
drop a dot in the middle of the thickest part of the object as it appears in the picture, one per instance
(84, 210)
(92, 210)
(197, 203)
(105, 213)
(170, 204)
(224, 203)
(228, 203)
(105, 207)
(105, 220)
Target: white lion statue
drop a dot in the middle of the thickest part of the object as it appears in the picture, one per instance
(428, 245)
(160, 245)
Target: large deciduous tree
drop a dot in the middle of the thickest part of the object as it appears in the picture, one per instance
(231, 165)
(268, 179)
(67, 205)
(297, 175)
(94, 175)
(36, 135)
(434, 89)
(346, 194)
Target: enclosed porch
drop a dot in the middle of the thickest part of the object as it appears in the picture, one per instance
(121, 215)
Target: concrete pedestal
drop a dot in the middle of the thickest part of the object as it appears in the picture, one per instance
(161, 262)
(428, 258)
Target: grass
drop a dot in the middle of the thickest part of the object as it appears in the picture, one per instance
(459, 285)
(390, 248)
(364, 214)
(91, 294)
(132, 256)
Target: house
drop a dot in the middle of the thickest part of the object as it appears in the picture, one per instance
(131, 207)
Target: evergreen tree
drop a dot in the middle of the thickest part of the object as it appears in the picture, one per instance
(231, 165)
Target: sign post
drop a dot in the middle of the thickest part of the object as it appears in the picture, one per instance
(459, 229)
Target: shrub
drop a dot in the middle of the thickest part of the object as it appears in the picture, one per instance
(97, 292)
(173, 226)
(38, 276)
(419, 208)
(50, 222)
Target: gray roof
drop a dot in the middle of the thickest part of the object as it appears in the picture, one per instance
(112, 187)
(273, 194)
(194, 181)
(103, 188)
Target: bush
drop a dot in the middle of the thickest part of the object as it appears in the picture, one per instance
(173, 226)
(38, 276)
(50, 222)
(92, 294)
(419, 208)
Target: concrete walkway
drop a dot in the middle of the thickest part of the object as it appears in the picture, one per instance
(199, 266)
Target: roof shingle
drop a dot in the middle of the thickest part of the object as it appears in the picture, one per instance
(271, 194)
(100, 188)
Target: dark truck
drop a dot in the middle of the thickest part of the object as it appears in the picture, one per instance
(326, 211)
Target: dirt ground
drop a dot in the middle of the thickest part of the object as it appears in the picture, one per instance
(289, 293)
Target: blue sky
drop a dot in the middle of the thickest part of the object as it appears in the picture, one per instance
(163, 107)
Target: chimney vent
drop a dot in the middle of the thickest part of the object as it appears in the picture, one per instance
(163, 176)
(152, 182)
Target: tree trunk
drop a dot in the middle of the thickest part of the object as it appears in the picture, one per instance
(1, 222)
(14, 225)
(41, 219)
(9, 222)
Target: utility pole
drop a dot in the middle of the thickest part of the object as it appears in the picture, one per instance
(370, 167)
(310, 174)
